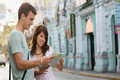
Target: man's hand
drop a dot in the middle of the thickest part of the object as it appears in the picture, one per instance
(47, 59)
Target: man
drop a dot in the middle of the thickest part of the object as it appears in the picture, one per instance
(17, 46)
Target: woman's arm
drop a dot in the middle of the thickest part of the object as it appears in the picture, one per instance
(60, 64)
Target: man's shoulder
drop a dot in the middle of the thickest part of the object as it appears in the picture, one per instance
(15, 33)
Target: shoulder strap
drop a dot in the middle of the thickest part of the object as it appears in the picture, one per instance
(30, 53)
(25, 70)
(9, 71)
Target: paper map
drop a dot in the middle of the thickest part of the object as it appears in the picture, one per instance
(56, 59)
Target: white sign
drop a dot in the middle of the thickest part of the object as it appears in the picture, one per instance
(80, 2)
(2, 11)
(65, 22)
(50, 12)
(117, 13)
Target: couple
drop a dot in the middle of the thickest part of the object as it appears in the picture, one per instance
(24, 66)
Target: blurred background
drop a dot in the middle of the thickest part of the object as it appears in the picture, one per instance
(86, 31)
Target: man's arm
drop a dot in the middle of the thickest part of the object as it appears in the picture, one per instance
(26, 64)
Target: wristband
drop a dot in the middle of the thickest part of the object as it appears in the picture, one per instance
(41, 60)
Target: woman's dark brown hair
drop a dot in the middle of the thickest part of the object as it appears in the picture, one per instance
(38, 30)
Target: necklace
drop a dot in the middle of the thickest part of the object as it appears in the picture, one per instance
(38, 54)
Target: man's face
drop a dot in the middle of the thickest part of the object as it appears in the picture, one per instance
(28, 20)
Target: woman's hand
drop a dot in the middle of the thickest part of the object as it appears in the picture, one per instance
(41, 70)
(61, 61)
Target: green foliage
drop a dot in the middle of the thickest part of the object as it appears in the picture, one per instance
(5, 34)
(117, 1)
(0, 46)
(4, 39)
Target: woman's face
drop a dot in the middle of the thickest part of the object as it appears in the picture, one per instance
(41, 38)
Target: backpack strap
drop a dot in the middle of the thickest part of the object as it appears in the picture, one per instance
(9, 71)
(25, 70)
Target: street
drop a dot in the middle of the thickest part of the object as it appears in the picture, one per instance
(4, 71)
(68, 76)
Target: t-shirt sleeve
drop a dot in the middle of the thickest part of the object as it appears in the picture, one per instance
(15, 43)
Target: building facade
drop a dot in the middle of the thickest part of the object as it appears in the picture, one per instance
(85, 31)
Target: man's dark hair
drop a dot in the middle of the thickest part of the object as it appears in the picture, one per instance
(26, 8)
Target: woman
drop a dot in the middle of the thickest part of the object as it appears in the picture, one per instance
(39, 49)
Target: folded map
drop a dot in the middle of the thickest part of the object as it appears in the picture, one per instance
(56, 59)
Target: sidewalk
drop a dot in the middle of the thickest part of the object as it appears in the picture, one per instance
(111, 75)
